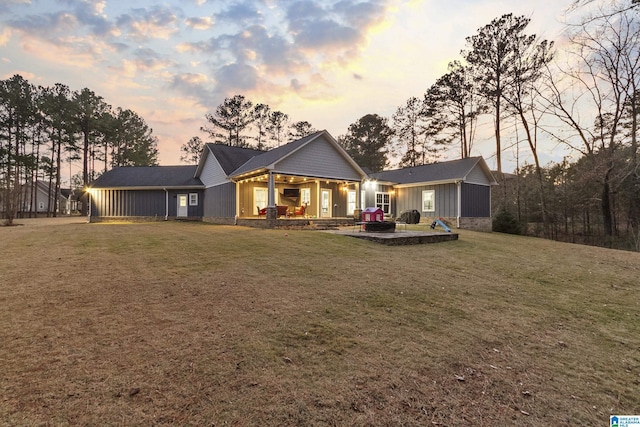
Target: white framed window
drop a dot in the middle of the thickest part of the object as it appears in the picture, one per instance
(260, 197)
(383, 201)
(351, 202)
(305, 196)
(429, 201)
(193, 199)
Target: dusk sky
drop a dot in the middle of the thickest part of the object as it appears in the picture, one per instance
(325, 61)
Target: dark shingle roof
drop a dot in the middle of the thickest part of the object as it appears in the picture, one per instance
(445, 171)
(148, 176)
(231, 158)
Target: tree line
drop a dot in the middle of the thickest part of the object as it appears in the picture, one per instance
(42, 127)
(239, 122)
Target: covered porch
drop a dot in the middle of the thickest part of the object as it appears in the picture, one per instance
(264, 194)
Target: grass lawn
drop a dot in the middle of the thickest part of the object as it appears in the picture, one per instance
(196, 324)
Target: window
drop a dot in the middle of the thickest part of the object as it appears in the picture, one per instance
(429, 201)
(193, 199)
(305, 194)
(351, 202)
(383, 202)
(260, 197)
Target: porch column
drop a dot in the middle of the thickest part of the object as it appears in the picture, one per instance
(272, 210)
(358, 195)
(271, 194)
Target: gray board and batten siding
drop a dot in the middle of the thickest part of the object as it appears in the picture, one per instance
(470, 176)
(320, 159)
(220, 201)
(151, 191)
(446, 200)
(323, 158)
(219, 161)
(476, 200)
(110, 203)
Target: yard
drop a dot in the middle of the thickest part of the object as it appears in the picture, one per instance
(194, 324)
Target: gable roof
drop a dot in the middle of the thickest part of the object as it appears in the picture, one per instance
(230, 158)
(159, 177)
(268, 159)
(451, 171)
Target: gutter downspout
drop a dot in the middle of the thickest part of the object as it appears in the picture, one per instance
(459, 185)
(89, 207)
(166, 204)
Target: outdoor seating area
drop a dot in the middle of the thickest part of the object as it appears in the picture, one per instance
(284, 210)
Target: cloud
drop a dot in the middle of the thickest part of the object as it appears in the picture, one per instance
(5, 5)
(314, 89)
(91, 15)
(270, 51)
(193, 85)
(49, 25)
(236, 77)
(361, 15)
(146, 61)
(157, 22)
(343, 24)
(242, 14)
(5, 35)
(200, 23)
(78, 16)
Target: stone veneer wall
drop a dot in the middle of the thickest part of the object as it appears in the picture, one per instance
(476, 224)
(221, 221)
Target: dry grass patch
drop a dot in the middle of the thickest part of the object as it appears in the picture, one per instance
(172, 323)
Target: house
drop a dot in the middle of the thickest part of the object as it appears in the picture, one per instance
(148, 192)
(458, 191)
(312, 178)
(42, 201)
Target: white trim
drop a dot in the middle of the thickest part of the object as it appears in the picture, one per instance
(355, 201)
(166, 204)
(180, 188)
(433, 201)
(459, 213)
(184, 208)
(257, 190)
(375, 202)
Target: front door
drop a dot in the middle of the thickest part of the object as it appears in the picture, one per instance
(325, 203)
(182, 205)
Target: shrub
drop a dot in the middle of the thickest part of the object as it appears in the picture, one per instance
(506, 222)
